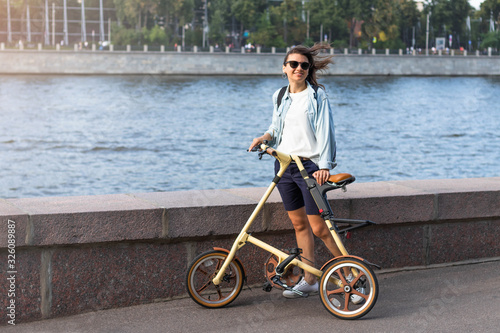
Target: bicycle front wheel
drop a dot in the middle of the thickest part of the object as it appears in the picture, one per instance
(348, 288)
(202, 271)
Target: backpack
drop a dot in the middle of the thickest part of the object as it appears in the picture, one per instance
(283, 90)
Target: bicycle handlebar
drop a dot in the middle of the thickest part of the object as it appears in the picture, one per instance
(264, 149)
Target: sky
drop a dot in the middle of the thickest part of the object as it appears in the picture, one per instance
(475, 3)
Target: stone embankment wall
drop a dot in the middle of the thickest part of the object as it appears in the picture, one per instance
(78, 254)
(221, 63)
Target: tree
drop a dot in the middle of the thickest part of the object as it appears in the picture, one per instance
(381, 24)
(489, 8)
(294, 21)
(491, 39)
(247, 13)
(326, 17)
(408, 20)
(135, 12)
(219, 17)
(355, 12)
(177, 13)
(266, 33)
(449, 18)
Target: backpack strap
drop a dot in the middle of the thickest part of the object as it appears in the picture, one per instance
(280, 95)
(283, 90)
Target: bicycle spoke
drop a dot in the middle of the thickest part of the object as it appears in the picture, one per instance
(202, 271)
(205, 286)
(219, 292)
(219, 265)
(355, 292)
(360, 274)
(334, 292)
(346, 302)
(342, 278)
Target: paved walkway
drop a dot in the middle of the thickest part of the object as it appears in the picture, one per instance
(464, 298)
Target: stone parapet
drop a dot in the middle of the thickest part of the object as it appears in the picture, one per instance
(77, 254)
(191, 63)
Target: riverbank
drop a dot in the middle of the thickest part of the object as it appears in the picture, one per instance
(230, 63)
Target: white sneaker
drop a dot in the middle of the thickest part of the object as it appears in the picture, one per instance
(356, 299)
(303, 287)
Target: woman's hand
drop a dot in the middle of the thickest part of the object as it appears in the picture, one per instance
(321, 176)
(255, 143)
(258, 141)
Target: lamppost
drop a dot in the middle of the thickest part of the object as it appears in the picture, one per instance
(28, 24)
(9, 30)
(101, 22)
(84, 29)
(47, 41)
(205, 25)
(65, 28)
(53, 24)
(427, 35)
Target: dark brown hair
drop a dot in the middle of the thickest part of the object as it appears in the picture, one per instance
(316, 62)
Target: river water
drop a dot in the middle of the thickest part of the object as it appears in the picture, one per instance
(87, 135)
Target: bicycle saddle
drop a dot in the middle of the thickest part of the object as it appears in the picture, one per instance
(336, 181)
(341, 179)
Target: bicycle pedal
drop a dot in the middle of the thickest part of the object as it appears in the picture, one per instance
(267, 287)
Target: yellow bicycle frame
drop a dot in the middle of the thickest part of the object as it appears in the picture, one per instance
(244, 237)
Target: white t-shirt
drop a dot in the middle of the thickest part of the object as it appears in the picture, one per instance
(298, 136)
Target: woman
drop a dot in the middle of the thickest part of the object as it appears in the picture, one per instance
(303, 125)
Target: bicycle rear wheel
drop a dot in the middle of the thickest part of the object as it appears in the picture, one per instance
(202, 271)
(348, 288)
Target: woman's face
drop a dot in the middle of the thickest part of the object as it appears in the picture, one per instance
(296, 75)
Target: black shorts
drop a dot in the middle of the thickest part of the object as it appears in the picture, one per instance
(293, 188)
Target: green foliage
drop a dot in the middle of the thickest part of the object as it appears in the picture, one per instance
(135, 13)
(340, 44)
(247, 12)
(344, 23)
(217, 33)
(266, 34)
(154, 36)
(327, 16)
(381, 24)
(124, 36)
(392, 44)
(492, 39)
(449, 18)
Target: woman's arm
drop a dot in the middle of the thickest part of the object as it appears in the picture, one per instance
(325, 134)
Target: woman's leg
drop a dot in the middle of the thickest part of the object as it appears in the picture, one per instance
(320, 229)
(305, 238)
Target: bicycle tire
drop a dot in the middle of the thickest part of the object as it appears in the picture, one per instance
(336, 291)
(199, 278)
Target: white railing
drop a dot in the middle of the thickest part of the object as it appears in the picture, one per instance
(244, 50)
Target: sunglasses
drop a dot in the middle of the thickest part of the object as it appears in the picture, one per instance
(294, 64)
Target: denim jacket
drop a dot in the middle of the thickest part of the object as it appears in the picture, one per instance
(321, 118)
